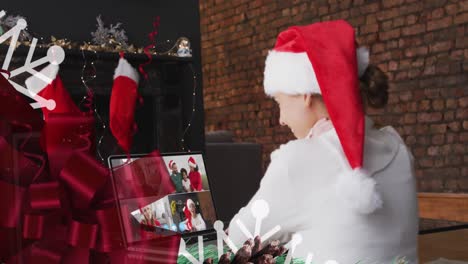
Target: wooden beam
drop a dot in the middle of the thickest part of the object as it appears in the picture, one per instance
(444, 206)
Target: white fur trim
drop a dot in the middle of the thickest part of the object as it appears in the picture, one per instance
(289, 73)
(359, 191)
(125, 69)
(35, 84)
(190, 201)
(362, 54)
(292, 73)
(192, 164)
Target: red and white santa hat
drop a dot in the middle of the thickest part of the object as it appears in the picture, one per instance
(191, 162)
(188, 214)
(171, 163)
(321, 58)
(189, 202)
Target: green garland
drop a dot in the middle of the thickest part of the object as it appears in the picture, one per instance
(211, 251)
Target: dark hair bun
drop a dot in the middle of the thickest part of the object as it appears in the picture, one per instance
(374, 87)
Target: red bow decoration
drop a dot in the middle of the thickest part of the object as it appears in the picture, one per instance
(65, 214)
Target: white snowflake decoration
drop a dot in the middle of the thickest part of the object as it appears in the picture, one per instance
(260, 211)
(55, 55)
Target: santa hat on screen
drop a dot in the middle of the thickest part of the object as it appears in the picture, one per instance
(188, 214)
(321, 58)
(58, 99)
(171, 163)
(192, 163)
(123, 103)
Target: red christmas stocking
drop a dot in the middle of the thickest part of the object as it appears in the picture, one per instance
(54, 90)
(122, 104)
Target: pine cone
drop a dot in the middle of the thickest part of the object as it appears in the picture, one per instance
(253, 253)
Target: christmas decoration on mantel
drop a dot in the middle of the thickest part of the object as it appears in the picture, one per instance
(111, 39)
(105, 39)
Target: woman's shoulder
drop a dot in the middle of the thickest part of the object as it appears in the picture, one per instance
(393, 133)
(303, 150)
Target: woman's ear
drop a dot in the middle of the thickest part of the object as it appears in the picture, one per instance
(308, 100)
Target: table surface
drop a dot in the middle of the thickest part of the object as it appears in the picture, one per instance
(449, 244)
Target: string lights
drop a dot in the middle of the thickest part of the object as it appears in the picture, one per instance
(88, 100)
(189, 124)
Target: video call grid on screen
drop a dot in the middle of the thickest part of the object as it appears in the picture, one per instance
(168, 212)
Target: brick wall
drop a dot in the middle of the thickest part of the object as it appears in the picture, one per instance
(421, 45)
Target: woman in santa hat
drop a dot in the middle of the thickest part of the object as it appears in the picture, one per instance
(344, 186)
(194, 221)
(194, 175)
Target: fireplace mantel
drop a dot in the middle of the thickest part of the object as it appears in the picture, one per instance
(167, 93)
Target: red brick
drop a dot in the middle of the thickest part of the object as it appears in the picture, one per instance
(411, 8)
(439, 162)
(426, 163)
(459, 148)
(366, 29)
(454, 126)
(387, 25)
(451, 9)
(438, 129)
(429, 117)
(463, 5)
(406, 96)
(463, 102)
(439, 23)
(424, 105)
(387, 4)
(392, 66)
(438, 104)
(464, 173)
(438, 139)
(409, 118)
(429, 70)
(387, 14)
(391, 34)
(437, 13)
(432, 93)
(463, 137)
(413, 30)
(449, 116)
(461, 18)
(416, 51)
(451, 138)
(457, 54)
(323, 10)
(410, 140)
(419, 152)
(411, 19)
(462, 114)
(441, 46)
(371, 8)
(460, 42)
(399, 21)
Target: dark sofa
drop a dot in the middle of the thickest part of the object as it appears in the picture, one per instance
(234, 170)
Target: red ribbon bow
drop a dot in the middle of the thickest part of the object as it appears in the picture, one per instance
(65, 214)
